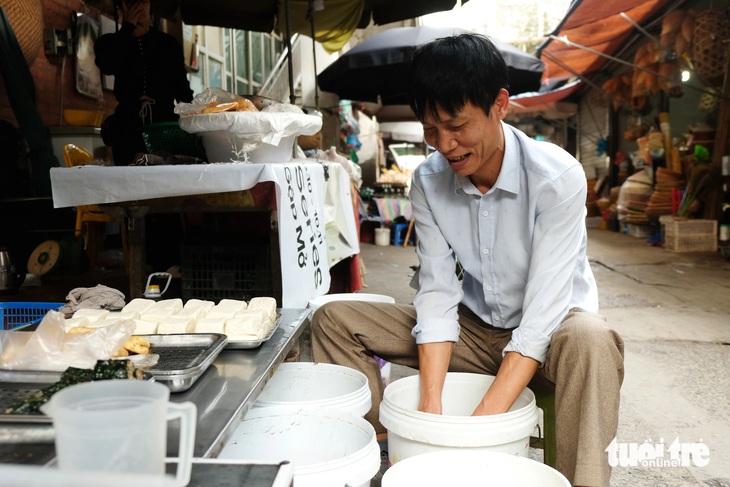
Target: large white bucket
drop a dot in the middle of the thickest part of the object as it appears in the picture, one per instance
(412, 432)
(469, 468)
(316, 385)
(328, 448)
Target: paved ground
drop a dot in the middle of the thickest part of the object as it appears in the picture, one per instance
(672, 311)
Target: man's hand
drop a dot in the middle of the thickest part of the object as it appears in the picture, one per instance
(137, 14)
(513, 376)
(433, 363)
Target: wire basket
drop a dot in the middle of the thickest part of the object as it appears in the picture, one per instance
(17, 314)
(169, 137)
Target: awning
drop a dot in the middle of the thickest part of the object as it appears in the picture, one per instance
(549, 103)
(598, 25)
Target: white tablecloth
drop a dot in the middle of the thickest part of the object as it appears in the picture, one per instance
(304, 219)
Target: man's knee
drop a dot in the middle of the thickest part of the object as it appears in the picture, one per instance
(588, 333)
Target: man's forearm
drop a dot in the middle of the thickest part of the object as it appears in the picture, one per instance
(433, 363)
(513, 376)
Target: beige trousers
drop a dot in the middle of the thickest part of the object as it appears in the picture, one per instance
(584, 366)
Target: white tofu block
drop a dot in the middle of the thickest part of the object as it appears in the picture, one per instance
(140, 305)
(175, 304)
(123, 315)
(264, 303)
(248, 324)
(196, 313)
(199, 303)
(91, 314)
(221, 313)
(74, 322)
(157, 314)
(145, 327)
(234, 304)
(210, 325)
(175, 324)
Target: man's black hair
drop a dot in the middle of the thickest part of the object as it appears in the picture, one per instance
(450, 72)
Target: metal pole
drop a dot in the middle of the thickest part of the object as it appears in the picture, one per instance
(314, 54)
(292, 96)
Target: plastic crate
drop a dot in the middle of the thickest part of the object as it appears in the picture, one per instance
(14, 315)
(215, 272)
(683, 235)
(169, 137)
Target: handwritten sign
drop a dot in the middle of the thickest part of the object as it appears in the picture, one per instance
(305, 270)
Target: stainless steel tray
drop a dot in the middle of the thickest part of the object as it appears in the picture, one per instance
(17, 386)
(234, 344)
(183, 357)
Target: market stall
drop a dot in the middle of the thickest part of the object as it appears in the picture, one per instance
(224, 391)
(299, 220)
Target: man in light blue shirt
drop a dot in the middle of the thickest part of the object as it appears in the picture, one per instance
(512, 211)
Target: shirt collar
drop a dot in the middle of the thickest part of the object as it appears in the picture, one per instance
(508, 179)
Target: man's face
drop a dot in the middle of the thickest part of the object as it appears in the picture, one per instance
(471, 138)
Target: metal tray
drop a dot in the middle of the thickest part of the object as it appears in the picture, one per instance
(248, 344)
(17, 386)
(183, 357)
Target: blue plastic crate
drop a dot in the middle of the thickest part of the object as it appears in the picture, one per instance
(14, 315)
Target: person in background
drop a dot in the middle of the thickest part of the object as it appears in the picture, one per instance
(511, 210)
(149, 77)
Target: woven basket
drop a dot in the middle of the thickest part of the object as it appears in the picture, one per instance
(26, 18)
(709, 52)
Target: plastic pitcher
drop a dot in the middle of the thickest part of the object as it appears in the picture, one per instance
(120, 426)
(152, 291)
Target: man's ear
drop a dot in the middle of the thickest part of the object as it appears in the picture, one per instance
(501, 104)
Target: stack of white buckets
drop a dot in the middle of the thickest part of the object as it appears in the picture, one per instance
(312, 415)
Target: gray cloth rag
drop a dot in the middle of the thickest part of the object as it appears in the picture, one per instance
(98, 297)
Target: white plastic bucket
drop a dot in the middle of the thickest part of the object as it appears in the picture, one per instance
(412, 432)
(300, 385)
(328, 448)
(382, 237)
(315, 303)
(224, 146)
(469, 468)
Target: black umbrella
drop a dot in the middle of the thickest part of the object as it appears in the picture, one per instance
(378, 67)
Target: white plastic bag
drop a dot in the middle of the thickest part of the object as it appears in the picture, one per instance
(50, 348)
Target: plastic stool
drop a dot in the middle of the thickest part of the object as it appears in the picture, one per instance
(545, 400)
(396, 232)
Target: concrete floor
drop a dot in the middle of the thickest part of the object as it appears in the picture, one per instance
(673, 313)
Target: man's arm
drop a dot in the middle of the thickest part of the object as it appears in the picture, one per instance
(512, 377)
(433, 363)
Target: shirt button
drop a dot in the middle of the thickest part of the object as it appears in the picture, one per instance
(485, 213)
(489, 288)
(485, 251)
(497, 318)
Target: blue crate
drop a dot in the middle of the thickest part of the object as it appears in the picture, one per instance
(14, 315)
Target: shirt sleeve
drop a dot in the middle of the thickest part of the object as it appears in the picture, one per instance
(439, 292)
(557, 239)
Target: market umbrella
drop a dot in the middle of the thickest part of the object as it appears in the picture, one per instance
(378, 67)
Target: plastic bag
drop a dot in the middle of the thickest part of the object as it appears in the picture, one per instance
(49, 347)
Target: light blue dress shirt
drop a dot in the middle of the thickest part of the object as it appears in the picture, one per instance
(522, 245)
